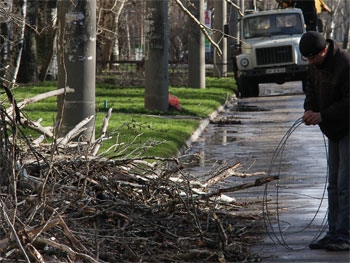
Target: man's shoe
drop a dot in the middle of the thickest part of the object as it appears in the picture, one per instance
(338, 245)
(322, 243)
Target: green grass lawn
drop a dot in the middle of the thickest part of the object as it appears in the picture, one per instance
(132, 127)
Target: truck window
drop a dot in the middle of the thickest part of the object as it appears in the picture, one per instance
(289, 24)
(267, 25)
(256, 26)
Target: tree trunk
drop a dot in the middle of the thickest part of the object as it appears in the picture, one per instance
(47, 40)
(156, 59)
(220, 61)
(196, 48)
(28, 68)
(77, 60)
(346, 36)
(17, 32)
(5, 50)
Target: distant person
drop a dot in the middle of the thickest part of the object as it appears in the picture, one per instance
(321, 7)
(311, 11)
(327, 105)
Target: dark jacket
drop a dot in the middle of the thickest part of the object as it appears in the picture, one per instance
(327, 92)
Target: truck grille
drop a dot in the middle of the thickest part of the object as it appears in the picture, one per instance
(274, 55)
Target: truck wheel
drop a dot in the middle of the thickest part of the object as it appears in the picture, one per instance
(254, 89)
(248, 88)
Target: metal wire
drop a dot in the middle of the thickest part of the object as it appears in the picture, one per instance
(278, 236)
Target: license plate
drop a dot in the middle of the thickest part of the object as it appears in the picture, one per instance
(275, 70)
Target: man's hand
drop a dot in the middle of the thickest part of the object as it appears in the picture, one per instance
(312, 118)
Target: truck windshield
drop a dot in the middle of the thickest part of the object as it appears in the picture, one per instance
(275, 24)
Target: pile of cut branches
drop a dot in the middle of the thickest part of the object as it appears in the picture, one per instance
(67, 205)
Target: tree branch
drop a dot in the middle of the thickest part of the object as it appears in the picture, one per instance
(75, 131)
(202, 27)
(13, 230)
(44, 96)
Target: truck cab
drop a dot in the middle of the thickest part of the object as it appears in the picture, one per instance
(269, 50)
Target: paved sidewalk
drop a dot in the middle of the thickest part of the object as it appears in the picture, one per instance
(296, 204)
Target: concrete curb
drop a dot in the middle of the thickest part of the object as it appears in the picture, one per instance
(202, 125)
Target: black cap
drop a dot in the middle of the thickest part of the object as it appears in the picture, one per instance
(311, 43)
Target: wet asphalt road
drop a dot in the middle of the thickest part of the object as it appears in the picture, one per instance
(264, 135)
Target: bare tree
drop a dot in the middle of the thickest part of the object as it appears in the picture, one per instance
(336, 22)
(346, 24)
(108, 17)
(13, 40)
(46, 40)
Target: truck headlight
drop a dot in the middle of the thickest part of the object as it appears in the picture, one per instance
(244, 62)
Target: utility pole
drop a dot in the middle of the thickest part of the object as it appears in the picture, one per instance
(196, 48)
(220, 61)
(156, 55)
(76, 65)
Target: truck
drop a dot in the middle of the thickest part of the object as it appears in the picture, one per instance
(269, 49)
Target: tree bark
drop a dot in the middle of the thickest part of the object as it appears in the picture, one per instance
(77, 64)
(220, 61)
(47, 48)
(156, 59)
(196, 48)
(115, 47)
(28, 67)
